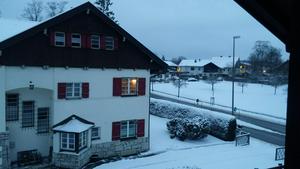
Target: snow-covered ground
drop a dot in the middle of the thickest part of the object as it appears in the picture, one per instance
(207, 153)
(256, 97)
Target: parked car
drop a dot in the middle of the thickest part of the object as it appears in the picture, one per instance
(191, 79)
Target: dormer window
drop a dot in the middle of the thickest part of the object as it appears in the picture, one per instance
(59, 39)
(109, 42)
(95, 41)
(76, 40)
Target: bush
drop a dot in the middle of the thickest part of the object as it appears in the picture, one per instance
(217, 124)
(185, 128)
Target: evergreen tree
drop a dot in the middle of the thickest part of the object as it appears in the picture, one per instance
(103, 6)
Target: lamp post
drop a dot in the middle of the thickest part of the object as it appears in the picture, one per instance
(233, 72)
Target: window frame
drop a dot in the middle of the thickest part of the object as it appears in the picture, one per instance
(127, 91)
(107, 40)
(73, 88)
(12, 111)
(98, 136)
(44, 125)
(126, 125)
(68, 138)
(56, 40)
(99, 41)
(28, 123)
(83, 140)
(72, 42)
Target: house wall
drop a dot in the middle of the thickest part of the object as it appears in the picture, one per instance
(197, 70)
(27, 138)
(101, 107)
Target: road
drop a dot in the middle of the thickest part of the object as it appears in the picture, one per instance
(277, 137)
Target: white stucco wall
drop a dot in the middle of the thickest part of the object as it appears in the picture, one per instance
(27, 138)
(101, 107)
(197, 70)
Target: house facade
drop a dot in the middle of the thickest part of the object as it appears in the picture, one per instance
(73, 87)
(198, 67)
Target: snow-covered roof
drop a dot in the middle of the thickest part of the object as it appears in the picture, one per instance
(194, 62)
(220, 61)
(74, 126)
(11, 27)
(169, 63)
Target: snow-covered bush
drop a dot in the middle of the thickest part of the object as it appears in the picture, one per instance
(186, 128)
(220, 125)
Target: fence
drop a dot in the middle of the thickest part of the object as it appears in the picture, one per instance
(229, 108)
(242, 138)
(280, 153)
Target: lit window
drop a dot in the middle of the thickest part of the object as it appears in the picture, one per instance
(129, 86)
(73, 90)
(95, 133)
(76, 40)
(95, 42)
(128, 129)
(109, 42)
(59, 39)
(67, 141)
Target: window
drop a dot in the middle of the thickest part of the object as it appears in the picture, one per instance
(192, 68)
(73, 90)
(67, 141)
(128, 129)
(28, 114)
(95, 42)
(43, 120)
(95, 133)
(59, 39)
(83, 140)
(109, 42)
(129, 86)
(76, 40)
(12, 107)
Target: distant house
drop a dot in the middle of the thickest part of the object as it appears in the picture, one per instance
(198, 67)
(71, 87)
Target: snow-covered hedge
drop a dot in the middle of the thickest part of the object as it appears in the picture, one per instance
(222, 126)
(186, 128)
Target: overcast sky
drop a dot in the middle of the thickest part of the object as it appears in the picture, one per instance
(190, 28)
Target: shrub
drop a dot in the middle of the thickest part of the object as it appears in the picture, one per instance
(217, 124)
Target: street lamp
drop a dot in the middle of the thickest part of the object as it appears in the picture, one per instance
(233, 72)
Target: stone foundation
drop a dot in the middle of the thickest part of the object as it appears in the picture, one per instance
(103, 150)
(121, 148)
(4, 151)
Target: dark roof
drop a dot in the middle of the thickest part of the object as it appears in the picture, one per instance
(71, 118)
(68, 14)
(274, 15)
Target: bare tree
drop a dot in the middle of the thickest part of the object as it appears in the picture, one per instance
(178, 59)
(242, 84)
(33, 10)
(179, 83)
(55, 7)
(212, 81)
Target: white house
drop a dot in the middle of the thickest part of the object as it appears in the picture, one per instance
(71, 87)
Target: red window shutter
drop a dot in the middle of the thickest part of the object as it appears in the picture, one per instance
(102, 42)
(69, 40)
(88, 41)
(116, 43)
(52, 38)
(117, 87)
(116, 127)
(83, 41)
(141, 86)
(85, 90)
(61, 90)
(141, 128)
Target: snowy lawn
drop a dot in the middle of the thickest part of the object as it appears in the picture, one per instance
(256, 97)
(207, 153)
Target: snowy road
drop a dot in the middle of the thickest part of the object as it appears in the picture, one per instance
(277, 137)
